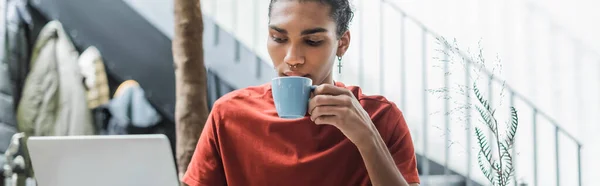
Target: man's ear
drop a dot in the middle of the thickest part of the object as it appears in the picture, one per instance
(343, 44)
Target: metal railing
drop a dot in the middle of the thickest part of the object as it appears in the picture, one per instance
(513, 95)
(426, 33)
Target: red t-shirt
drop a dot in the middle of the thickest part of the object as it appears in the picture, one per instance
(245, 143)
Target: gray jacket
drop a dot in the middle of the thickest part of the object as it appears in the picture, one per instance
(15, 52)
(54, 99)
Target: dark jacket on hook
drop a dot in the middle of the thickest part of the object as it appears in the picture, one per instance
(16, 49)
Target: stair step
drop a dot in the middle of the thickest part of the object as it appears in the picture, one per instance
(442, 180)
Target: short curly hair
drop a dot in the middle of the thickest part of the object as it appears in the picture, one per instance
(341, 13)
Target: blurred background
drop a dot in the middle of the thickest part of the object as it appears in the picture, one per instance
(542, 57)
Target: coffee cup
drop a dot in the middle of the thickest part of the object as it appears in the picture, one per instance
(291, 95)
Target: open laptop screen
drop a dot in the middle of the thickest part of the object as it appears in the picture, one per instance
(123, 160)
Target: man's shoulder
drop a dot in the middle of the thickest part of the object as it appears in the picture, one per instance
(242, 97)
(377, 106)
(371, 100)
(384, 113)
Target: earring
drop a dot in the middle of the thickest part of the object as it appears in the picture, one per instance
(339, 64)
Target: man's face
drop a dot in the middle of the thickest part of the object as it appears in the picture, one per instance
(302, 35)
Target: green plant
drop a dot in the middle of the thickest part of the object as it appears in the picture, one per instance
(498, 169)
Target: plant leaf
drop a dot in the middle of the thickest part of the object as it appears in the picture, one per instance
(490, 168)
(483, 145)
(508, 169)
(480, 97)
(500, 180)
(512, 128)
(487, 119)
(486, 169)
(485, 112)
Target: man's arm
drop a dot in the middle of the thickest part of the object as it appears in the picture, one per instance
(397, 152)
(380, 165)
(338, 107)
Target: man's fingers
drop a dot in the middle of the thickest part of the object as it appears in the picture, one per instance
(327, 89)
(326, 111)
(329, 120)
(328, 100)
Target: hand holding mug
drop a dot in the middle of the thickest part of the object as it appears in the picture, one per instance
(338, 107)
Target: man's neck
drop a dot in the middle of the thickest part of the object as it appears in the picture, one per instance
(328, 80)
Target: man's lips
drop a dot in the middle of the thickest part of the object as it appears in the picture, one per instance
(295, 73)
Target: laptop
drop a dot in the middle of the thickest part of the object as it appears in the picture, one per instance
(115, 160)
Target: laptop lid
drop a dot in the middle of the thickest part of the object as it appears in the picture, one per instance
(115, 160)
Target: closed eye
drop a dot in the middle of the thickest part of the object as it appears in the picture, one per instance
(278, 39)
(313, 43)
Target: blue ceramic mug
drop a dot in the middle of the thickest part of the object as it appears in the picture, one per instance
(291, 95)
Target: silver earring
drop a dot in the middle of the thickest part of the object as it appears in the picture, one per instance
(339, 64)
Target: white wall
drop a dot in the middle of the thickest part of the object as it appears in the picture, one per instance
(539, 56)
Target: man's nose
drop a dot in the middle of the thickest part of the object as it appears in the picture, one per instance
(294, 56)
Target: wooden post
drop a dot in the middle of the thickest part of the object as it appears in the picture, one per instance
(191, 109)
